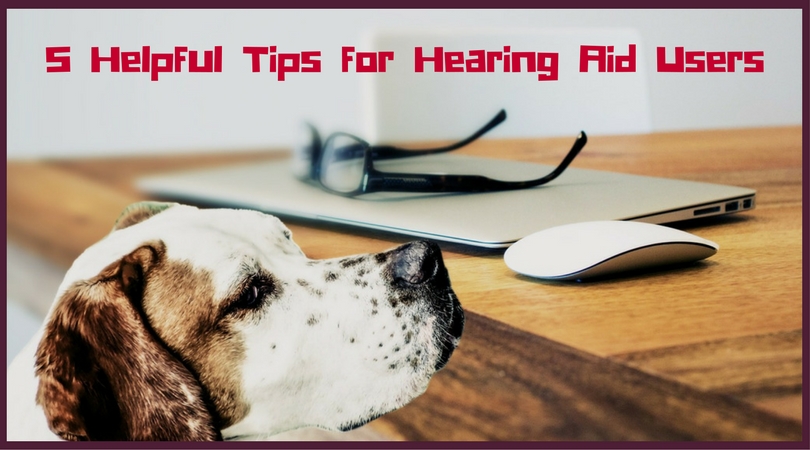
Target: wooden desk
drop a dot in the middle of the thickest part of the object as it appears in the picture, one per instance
(708, 352)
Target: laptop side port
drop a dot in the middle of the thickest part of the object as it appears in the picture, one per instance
(709, 210)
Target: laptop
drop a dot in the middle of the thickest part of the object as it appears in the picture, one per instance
(489, 220)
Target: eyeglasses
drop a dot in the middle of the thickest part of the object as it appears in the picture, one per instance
(344, 164)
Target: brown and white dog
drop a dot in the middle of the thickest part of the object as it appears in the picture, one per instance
(207, 324)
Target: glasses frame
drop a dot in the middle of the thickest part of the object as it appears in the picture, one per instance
(374, 180)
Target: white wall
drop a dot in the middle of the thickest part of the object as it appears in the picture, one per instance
(83, 113)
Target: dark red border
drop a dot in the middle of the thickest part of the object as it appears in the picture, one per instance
(683, 4)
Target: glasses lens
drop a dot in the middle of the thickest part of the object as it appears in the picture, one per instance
(304, 150)
(342, 163)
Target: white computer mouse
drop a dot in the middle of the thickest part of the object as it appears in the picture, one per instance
(590, 249)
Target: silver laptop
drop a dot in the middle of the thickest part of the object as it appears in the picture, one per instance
(492, 220)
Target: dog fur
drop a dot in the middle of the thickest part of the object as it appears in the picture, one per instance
(208, 324)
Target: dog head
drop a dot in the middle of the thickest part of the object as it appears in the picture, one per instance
(201, 324)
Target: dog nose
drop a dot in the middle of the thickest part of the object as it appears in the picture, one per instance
(416, 262)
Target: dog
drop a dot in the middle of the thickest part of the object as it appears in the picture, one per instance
(208, 324)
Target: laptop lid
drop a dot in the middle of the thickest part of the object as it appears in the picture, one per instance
(492, 220)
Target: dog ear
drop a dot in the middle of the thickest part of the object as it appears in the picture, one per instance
(138, 212)
(104, 375)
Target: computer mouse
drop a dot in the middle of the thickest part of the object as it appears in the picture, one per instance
(590, 249)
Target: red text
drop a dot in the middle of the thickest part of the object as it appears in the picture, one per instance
(366, 61)
(53, 55)
(283, 63)
(156, 63)
(545, 64)
(702, 61)
(605, 60)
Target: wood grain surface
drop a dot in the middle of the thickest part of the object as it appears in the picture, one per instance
(710, 351)
(537, 389)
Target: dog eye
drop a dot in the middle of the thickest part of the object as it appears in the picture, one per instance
(249, 297)
(253, 294)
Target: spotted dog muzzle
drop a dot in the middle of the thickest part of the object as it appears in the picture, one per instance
(417, 270)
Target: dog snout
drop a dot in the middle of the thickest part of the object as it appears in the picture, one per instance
(416, 263)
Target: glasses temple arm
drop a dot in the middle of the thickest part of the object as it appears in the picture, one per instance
(409, 182)
(390, 152)
(579, 143)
